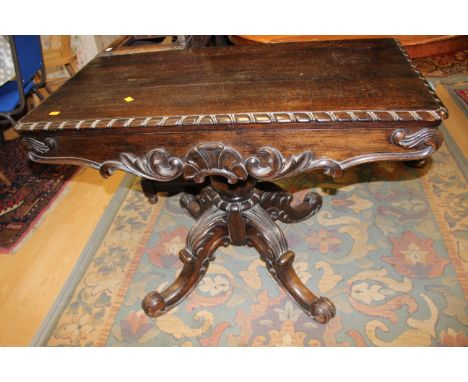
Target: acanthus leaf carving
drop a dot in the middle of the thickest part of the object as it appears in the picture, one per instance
(213, 159)
(269, 163)
(156, 165)
(278, 205)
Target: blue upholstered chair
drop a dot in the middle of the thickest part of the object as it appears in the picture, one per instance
(27, 57)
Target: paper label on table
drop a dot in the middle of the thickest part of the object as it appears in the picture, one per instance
(54, 113)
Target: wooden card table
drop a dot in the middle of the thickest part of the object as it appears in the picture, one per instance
(238, 118)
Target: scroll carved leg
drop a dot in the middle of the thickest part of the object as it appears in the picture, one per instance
(278, 206)
(195, 206)
(268, 239)
(240, 215)
(204, 238)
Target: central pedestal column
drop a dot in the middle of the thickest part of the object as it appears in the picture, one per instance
(240, 214)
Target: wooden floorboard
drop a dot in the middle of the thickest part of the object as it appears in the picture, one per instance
(31, 278)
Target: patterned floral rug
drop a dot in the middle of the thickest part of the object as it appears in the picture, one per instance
(33, 188)
(389, 247)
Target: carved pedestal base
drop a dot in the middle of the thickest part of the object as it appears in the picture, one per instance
(241, 215)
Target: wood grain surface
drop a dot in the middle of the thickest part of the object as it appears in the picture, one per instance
(33, 277)
(319, 76)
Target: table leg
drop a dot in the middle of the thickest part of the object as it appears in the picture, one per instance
(203, 239)
(268, 239)
(278, 206)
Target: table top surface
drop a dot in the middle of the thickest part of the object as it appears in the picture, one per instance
(356, 80)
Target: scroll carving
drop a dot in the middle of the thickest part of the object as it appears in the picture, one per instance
(278, 205)
(422, 138)
(39, 147)
(215, 159)
(38, 152)
(155, 165)
(269, 163)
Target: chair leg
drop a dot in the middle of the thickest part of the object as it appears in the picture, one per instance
(3, 129)
(70, 68)
(4, 179)
(48, 89)
(38, 93)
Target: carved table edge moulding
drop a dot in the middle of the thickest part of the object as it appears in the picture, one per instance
(242, 119)
(232, 210)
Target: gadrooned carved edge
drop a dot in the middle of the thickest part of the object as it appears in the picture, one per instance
(242, 119)
(216, 159)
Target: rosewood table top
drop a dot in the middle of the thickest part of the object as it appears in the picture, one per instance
(299, 82)
(238, 116)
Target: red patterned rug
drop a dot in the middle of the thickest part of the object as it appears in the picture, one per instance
(33, 189)
(463, 94)
(443, 65)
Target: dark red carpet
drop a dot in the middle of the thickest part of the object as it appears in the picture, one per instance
(33, 188)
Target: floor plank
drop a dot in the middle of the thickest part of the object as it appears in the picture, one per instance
(32, 278)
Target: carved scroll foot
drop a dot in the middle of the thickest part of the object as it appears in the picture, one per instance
(268, 239)
(153, 304)
(278, 206)
(204, 238)
(324, 310)
(195, 206)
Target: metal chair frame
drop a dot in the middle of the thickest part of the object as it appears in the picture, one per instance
(19, 83)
